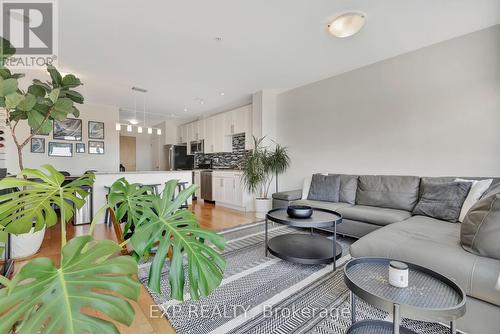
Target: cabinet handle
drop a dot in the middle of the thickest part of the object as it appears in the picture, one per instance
(222, 182)
(232, 128)
(181, 139)
(196, 136)
(234, 184)
(212, 147)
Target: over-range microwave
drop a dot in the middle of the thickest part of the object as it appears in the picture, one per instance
(197, 147)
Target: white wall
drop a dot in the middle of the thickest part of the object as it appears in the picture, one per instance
(80, 162)
(435, 111)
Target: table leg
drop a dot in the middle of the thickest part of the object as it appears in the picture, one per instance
(265, 244)
(396, 318)
(334, 246)
(453, 327)
(353, 308)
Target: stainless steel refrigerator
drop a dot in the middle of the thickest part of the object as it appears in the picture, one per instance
(177, 158)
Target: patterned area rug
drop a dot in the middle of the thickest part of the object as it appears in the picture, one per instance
(266, 295)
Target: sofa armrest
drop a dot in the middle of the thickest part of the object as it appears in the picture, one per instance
(291, 195)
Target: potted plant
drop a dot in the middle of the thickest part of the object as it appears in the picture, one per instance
(39, 105)
(260, 167)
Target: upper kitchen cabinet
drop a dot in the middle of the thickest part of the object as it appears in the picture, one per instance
(238, 121)
(199, 130)
(217, 131)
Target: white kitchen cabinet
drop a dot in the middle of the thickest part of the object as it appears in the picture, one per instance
(183, 134)
(237, 121)
(209, 135)
(217, 130)
(228, 191)
(197, 181)
(199, 130)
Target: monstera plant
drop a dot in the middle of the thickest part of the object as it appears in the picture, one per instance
(45, 298)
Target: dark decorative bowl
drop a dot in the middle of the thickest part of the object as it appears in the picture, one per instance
(299, 211)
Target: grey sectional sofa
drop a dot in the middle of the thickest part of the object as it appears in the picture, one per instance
(380, 216)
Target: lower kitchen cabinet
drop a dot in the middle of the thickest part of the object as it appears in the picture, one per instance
(228, 190)
(197, 181)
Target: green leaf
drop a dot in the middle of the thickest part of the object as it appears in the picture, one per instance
(6, 49)
(55, 76)
(7, 86)
(12, 100)
(63, 105)
(167, 226)
(71, 81)
(27, 103)
(130, 201)
(35, 120)
(37, 90)
(74, 96)
(17, 115)
(43, 191)
(54, 95)
(5, 73)
(45, 86)
(3, 240)
(75, 112)
(50, 300)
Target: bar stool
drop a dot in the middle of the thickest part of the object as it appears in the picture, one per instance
(180, 187)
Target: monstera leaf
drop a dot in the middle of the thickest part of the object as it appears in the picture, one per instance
(50, 300)
(130, 201)
(38, 196)
(167, 227)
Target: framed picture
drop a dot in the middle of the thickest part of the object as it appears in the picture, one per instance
(69, 129)
(96, 147)
(80, 147)
(37, 145)
(39, 134)
(96, 130)
(60, 149)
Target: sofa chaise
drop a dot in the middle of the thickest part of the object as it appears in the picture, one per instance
(382, 212)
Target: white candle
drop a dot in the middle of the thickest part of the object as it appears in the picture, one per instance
(398, 274)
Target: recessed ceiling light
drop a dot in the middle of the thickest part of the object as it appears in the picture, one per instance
(134, 121)
(185, 109)
(202, 101)
(222, 94)
(347, 24)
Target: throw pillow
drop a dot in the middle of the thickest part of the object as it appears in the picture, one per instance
(476, 191)
(348, 187)
(324, 188)
(480, 231)
(442, 200)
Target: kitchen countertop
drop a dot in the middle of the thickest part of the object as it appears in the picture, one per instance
(145, 172)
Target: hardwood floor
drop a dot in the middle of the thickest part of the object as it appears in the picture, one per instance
(209, 216)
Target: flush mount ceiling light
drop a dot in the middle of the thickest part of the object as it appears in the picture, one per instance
(347, 24)
(133, 121)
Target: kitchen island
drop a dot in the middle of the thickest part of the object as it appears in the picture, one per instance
(103, 180)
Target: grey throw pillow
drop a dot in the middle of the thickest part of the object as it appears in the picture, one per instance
(348, 187)
(442, 200)
(480, 231)
(324, 188)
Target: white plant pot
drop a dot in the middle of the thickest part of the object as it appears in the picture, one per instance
(26, 245)
(262, 207)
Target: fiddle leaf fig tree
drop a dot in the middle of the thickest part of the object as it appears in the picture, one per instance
(40, 104)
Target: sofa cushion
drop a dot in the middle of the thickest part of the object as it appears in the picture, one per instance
(480, 231)
(334, 206)
(324, 188)
(373, 215)
(434, 244)
(348, 188)
(387, 191)
(442, 200)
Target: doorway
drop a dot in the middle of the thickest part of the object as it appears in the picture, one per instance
(128, 153)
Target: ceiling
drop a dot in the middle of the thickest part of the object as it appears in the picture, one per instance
(170, 47)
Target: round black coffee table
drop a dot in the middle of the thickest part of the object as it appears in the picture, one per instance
(429, 296)
(305, 248)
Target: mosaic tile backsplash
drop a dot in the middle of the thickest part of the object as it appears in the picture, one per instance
(224, 160)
